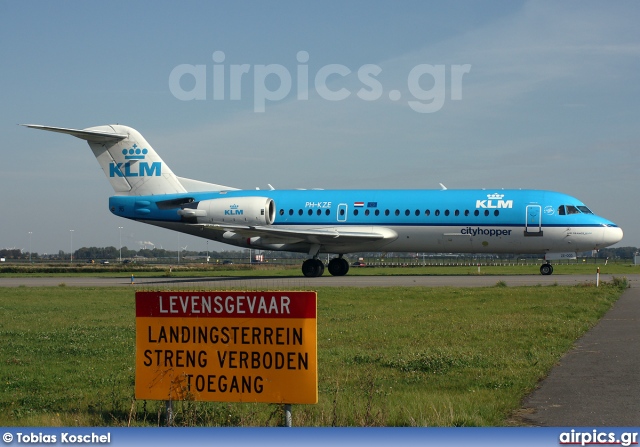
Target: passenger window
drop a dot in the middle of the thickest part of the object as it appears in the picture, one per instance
(446, 212)
(342, 211)
(290, 212)
(310, 212)
(377, 213)
(496, 213)
(355, 212)
(466, 212)
(397, 212)
(319, 212)
(476, 213)
(437, 213)
(486, 212)
(366, 212)
(282, 212)
(417, 213)
(427, 213)
(327, 212)
(299, 212)
(386, 212)
(457, 212)
(407, 212)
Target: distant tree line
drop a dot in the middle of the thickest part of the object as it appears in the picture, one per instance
(618, 253)
(113, 253)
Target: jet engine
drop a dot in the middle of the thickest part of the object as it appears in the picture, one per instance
(230, 210)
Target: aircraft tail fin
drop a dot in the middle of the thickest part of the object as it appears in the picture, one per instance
(131, 165)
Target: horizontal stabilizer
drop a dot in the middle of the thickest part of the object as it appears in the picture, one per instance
(89, 135)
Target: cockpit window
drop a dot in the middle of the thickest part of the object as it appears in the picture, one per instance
(571, 209)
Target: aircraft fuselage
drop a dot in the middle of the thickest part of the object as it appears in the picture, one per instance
(451, 221)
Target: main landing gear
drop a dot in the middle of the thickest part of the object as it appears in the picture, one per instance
(546, 269)
(338, 266)
(312, 268)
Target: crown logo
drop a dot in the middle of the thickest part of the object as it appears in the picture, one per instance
(495, 196)
(234, 207)
(134, 153)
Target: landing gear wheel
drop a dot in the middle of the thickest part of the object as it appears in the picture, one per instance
(312, 268)
(338, 266)
(546, 269)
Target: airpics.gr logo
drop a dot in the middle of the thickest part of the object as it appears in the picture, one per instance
(494, 201)
(129, 168)
(234, 210)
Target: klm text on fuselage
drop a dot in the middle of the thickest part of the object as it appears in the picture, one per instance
(494, 204)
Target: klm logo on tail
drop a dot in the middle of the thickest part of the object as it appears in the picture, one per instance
(136, 167)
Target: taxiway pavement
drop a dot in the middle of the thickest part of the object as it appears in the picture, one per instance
(283, 283)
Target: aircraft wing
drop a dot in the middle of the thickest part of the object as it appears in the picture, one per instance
(310, 235)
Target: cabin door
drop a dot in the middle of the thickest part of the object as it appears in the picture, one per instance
(533, 225)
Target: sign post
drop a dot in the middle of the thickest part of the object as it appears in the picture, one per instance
(227, 346)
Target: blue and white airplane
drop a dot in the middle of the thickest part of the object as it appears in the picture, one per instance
(342, 221)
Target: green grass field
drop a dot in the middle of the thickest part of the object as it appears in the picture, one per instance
(202, 270)
(387, 357)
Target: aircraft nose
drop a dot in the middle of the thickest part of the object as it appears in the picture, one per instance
(611, 235)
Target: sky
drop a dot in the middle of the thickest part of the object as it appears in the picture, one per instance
(332, 94)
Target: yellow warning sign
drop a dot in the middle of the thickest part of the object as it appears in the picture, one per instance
(227, 346)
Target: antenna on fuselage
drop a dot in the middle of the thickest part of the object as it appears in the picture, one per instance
(444, 188)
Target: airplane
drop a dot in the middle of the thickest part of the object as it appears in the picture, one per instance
(339, 222)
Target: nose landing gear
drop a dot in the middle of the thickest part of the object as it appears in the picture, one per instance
(546, 269)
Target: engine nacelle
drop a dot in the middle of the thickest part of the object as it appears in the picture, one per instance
(231, 210)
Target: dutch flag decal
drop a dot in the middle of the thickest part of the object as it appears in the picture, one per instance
(358, 204)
